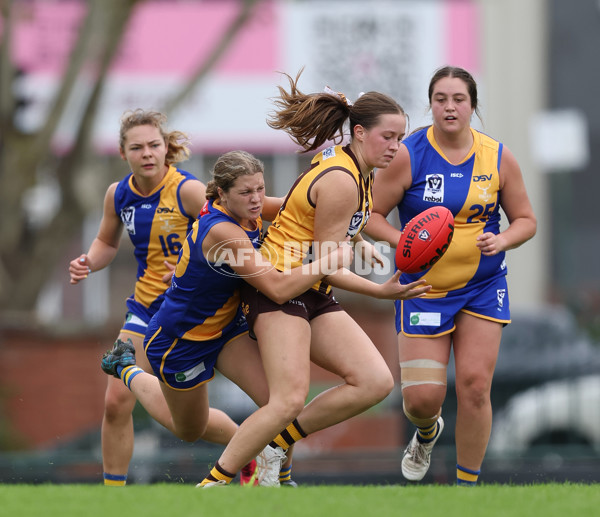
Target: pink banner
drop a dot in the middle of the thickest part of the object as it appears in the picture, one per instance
(161, 38)
(462, 34)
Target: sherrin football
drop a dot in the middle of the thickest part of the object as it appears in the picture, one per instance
(424, 240)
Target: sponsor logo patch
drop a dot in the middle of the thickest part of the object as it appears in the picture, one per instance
(425, 319)
(191, 373)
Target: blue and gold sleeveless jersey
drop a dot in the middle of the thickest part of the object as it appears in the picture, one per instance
(470, 190)
(157, 225)
(204, 296)
(289, 239)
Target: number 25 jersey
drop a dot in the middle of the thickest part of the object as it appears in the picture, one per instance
(470, 190)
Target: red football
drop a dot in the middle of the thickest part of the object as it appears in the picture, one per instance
(425, 238)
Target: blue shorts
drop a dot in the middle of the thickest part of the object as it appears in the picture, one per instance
(183, 364)
(432, 317)
(137, 318)
(134, 325)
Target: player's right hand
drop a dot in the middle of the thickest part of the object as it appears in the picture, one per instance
(79, 269)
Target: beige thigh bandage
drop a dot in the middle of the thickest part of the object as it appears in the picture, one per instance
(422, 371)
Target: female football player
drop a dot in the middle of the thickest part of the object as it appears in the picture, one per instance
(451, 164)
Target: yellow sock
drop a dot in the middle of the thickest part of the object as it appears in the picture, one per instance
(466, 477)
(285, 474)
(290, 435)
(426, 434)
(115, 479)
(217, 474)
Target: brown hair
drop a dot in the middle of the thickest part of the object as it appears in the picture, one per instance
(464, 76)
(229, 167)
(177, 142)
(312, 119)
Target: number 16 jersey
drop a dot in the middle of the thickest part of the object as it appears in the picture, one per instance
(157, 225)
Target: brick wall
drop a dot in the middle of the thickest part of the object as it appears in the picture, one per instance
(51, 387)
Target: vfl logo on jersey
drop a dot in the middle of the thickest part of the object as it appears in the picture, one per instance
(328, 153)
(128, 218)
(357, 223)
(434, 188)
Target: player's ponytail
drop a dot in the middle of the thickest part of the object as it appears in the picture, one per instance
(313, 119)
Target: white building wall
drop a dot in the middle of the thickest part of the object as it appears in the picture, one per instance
(514, 71)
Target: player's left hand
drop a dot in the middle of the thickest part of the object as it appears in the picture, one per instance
(489, 244)
(392, 289)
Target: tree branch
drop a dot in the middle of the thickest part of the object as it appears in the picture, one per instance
(223, 44)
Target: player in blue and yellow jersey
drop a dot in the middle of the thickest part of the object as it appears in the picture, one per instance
(200, 325)
(156, 203)
(453, 165)
(328, 203)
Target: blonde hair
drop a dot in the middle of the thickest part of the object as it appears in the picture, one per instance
(177, 142)
(229, 167)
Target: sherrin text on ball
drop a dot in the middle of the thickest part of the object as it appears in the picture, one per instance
(424, 240)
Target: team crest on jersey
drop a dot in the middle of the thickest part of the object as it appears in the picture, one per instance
(128, 218)
(328, 153)
(357, 223)
(485, 195)
(434, 188)
(167, 223)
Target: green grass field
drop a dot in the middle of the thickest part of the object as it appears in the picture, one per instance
(545, 500)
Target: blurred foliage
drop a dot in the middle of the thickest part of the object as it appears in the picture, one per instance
(31, 249)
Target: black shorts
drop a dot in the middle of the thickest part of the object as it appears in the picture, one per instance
(308, 305)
